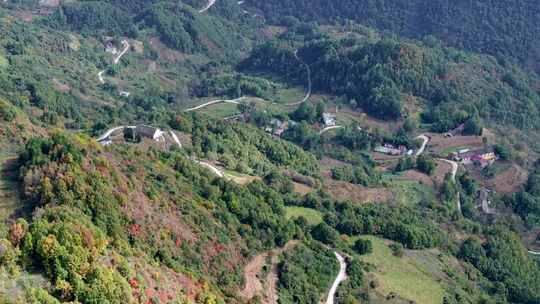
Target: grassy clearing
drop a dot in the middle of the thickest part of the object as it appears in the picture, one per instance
(407, 277)
(3, 61)
(290, 95)
(313, 216)
(221, 110)
(411, 192)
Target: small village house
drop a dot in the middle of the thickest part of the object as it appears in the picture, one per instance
(391, 149)
(329, 120)
(482, 157)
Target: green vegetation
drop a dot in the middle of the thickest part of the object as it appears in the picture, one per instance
(412, 193)
(527, 202)
(377, 75)
(503, 260)
(426, 164)
(312, 216)
(306, 273)
(403, 276)
(144, 221)
(483, 26)
(363, 246)
(243, 146)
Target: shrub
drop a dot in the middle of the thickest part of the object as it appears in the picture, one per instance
(363, 246)
(397, 249)
(7, 112)
(324, 233)
(425, 164)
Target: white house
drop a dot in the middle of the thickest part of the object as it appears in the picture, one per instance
(329, 119)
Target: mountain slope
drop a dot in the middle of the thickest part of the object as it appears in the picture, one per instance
(486, 26)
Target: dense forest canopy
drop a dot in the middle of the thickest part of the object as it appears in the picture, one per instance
(487, 26)
(154, 152)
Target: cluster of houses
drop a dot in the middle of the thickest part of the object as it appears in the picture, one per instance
(277, 127)
(482, 157)
(393, 150)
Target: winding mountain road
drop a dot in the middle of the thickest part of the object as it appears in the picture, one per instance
(424, 143)
(233, 101)
(100, 77)
(125, 43)
(116, 60)
(455, 166)
(109, 132)
(175, 138)
(208, 6)
(342, 275)
(212, 168)
(329, 128)
(308, 94)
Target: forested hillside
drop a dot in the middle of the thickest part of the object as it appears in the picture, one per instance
(276, 152)
(486, 26)
(380, 74)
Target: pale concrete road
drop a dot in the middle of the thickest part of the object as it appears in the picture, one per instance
(342, 275)
(424, 143)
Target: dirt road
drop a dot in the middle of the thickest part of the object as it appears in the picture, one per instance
(212, 168)
(308, 94)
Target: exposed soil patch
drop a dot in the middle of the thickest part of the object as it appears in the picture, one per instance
(439, 143)
(440, 171)
(508, 181)
(61, 87)
(359, 194)
(267, 288)
(327, 163)
(301, 188)
(245, 179)
(254, 285)
(531, 239)
(273, 31)
(161, 283)
(164, 52)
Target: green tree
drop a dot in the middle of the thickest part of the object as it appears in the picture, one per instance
(363, 246)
